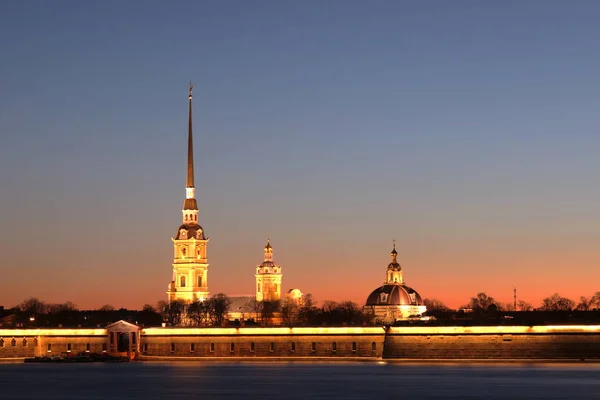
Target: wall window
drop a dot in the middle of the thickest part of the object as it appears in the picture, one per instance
(145, 348)
(1, 342)
(134, 338)
(293, 347)
(182, 281)
(68, 347)
(232, 347)
(35, 342)
(334, 346)
(353, 346)
(104, 347)
(200, 281)
(172, 347)
(112, 338)
(24, 342)
(13, 342)
(272, 348)
(313, 347)
(192, 347)
(258, 288)
(212, 347)
(252, 347)
(87, 347)
(49, 347)
(373, 346)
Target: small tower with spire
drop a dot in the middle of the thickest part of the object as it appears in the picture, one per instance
(394, 270)
(268, 277)
(190, 266)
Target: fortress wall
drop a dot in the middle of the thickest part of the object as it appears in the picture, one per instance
(569, 342)
(500, 342)
(263, 342)
(34, 342)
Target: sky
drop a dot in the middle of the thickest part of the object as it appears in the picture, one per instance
(468, 131)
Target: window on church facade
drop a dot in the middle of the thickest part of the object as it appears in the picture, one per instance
(13, 343)
(272, 347)
(293, 347)
(200, 281)
(35, 342)
(373, 346)
(192, 347)
(252, 347)
(49, 347)
(313, 347)
(334, 346)
(172, 347)
(353, 346)
(68, 347)
(24, 342)
(182, 281)
(258, 288)
(232, 347)
(212, 347)
(87, 347)
(145, 348)
(1, 342)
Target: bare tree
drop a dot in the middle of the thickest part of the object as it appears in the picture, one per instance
(524, 306)
(219, 307)
(557, 303)
(482, 302)
(435, 305)
(585, 303)
(106, 307)
(290, 311)
(33, 306)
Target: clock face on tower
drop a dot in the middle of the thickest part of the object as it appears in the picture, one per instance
(182, 234)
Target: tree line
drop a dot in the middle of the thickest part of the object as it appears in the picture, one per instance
(482, 302)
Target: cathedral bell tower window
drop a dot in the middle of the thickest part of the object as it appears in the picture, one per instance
(182, 281)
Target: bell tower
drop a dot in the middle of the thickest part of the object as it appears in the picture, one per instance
(190, 266)
(268, 277)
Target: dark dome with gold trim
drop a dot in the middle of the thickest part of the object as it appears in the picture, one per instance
(191, 231)
(394, 295)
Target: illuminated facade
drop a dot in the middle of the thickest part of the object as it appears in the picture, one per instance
(268, 278)
(190, 266)
(394, 300)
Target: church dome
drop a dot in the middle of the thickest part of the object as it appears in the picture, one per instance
(190, 231)
(394, 295)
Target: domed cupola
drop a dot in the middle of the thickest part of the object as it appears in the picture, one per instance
(394, 300)
(394, 270)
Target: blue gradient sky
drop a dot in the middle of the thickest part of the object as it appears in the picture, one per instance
(466, 130)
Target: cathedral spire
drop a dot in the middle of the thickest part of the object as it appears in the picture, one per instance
(190, 206)
(190, 157)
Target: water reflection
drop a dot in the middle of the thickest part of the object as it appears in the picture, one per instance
(297, 380)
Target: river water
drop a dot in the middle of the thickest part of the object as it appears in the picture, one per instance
(295, 380)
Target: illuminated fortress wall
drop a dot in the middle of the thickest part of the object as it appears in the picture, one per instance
(538, 342)
(262, 342)
(500, 342)
(19, 343)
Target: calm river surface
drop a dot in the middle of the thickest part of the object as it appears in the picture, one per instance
(281, 380)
